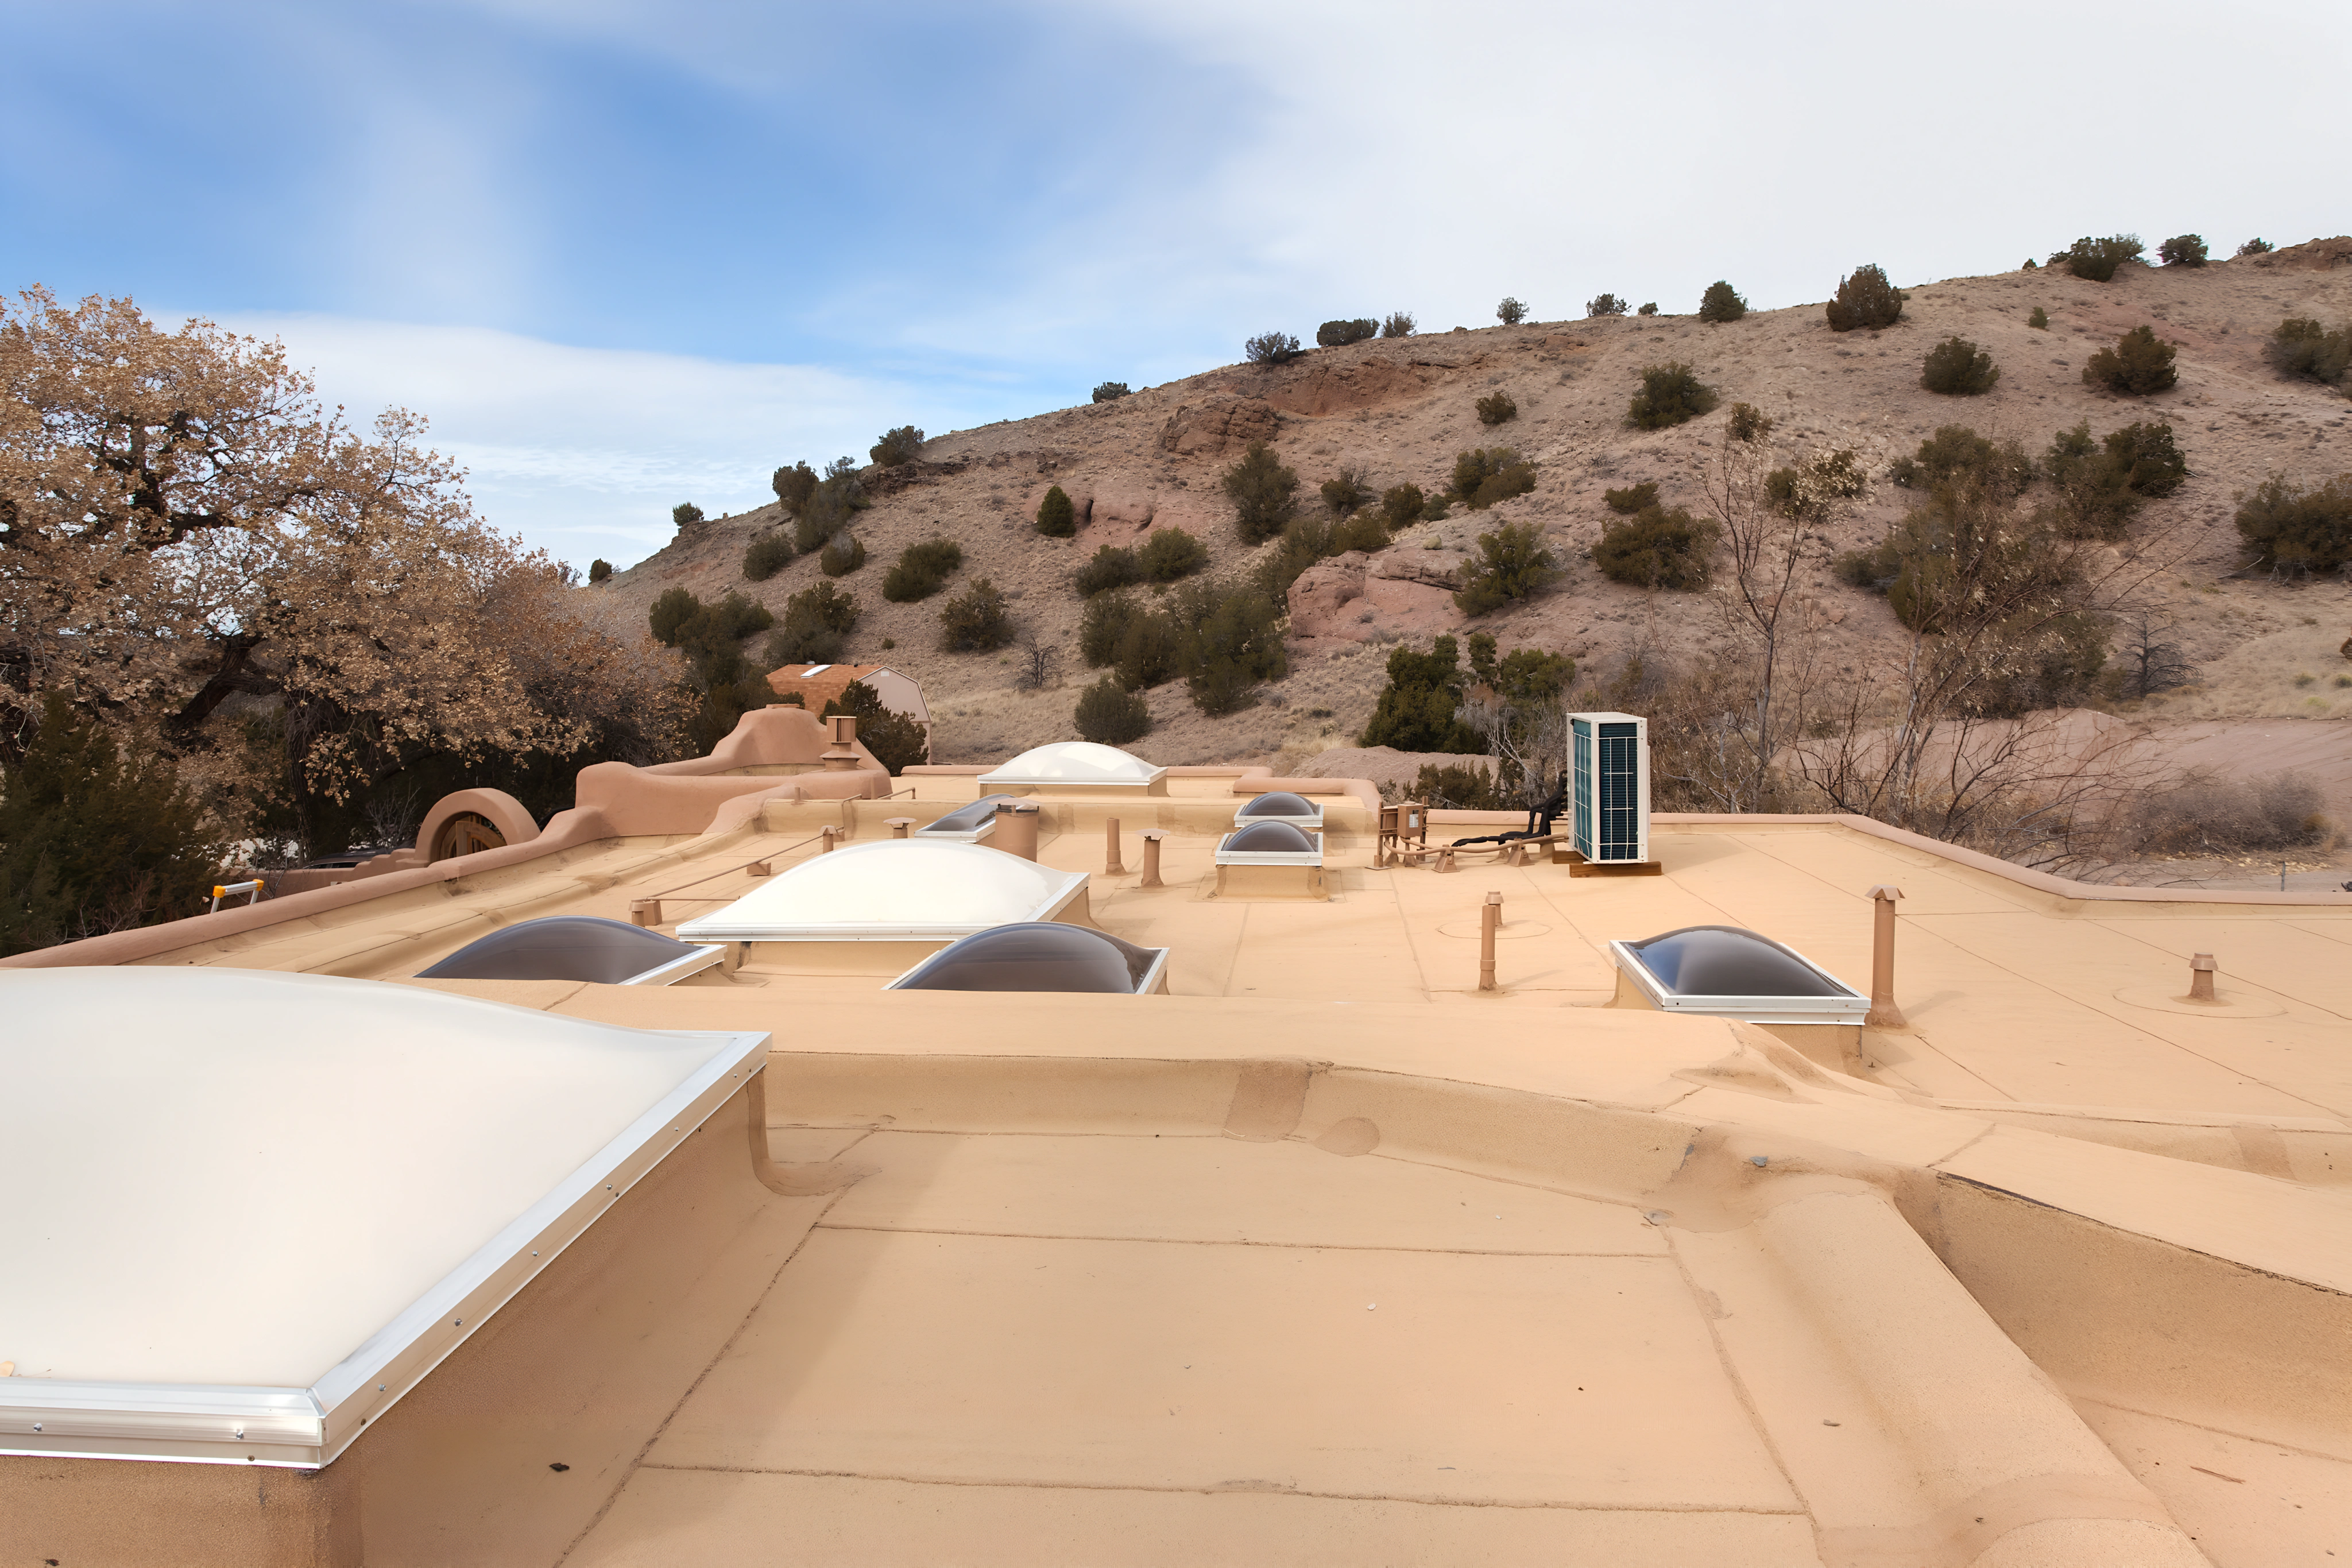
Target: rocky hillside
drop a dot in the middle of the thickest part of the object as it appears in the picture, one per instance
(1401, 409)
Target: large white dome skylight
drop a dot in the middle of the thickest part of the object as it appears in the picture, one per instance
(896, 890)
(239, 1201)
(1072, 762)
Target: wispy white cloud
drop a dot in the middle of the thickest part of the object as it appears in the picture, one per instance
(583, 451)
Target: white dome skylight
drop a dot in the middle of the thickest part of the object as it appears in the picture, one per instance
(895, 890)
(1072, 762)
(327, 1176)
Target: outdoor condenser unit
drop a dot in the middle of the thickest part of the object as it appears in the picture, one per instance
(1608, 769)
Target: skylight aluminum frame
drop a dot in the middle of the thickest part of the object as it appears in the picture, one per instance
(1847, 1006)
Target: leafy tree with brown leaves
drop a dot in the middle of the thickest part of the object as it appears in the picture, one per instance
(190, 544)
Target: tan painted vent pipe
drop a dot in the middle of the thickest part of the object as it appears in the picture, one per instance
(1490, 922)
(1017, 829)
(1883, 1013)
(1151, 837)
(1111, 866)
(2201, 978)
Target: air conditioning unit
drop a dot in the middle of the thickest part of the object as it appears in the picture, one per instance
(1609, 773)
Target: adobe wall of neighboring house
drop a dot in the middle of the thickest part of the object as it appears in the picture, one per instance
(580, 1370)
(614, 800)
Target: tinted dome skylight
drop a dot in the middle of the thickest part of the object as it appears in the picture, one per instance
(1727, 961)
(895, 889)
(966, 819)
(1279, 803)
(573, 947)
(1270, 837)
(1072, 762)
(1035, 956)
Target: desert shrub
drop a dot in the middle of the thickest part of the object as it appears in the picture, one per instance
(1656, 548)
(96, 836)
(600, 571)
(1056, 516)
(1834, 475)
(1263, 493)
(2302, 347)
(976, 620)
(1455, 787)
(2204, 814)
(1401, 504)
(2098, 485)
(794, 487)
(1486, 474)
(768, 554)
(1111, 391)
(2256, 246)
(711, 637)
(836, 498)
(1671, 393)
(816, 624)
(2039, 319)
(843, 554)
(1721, 302)
(1339, 334)
(1604, 305)
(1958, 368)
(921, 571)
(1632, 498)
(1875, 568)
(1150, 650)
(1399, 324)
(2182, 250)
(1512, 565)
(1650, 308)
(897, 741)
(1345, 491)
(1109, 714)
(2097, 259)
(1510, 312)
(1957, 451)
(2298, 529)
(1171, 555)
(685, 512)
(1496, 408)
(1865, 298)
(903, 444)
(1102, 623)
(2137, 365)
(1271, 349)
(1416, 711)
(1309, 540)
(671, 610)
(1232, 641)
(1114, 566)
(1748, 422)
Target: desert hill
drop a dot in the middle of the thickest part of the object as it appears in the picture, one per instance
(1401, 409)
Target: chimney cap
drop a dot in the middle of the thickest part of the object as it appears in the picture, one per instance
(1885, 893)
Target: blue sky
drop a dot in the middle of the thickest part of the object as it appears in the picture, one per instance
(624, 254)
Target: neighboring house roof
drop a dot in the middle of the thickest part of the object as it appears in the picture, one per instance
(817, 685)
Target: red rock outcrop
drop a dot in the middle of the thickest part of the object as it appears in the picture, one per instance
(1214, 428)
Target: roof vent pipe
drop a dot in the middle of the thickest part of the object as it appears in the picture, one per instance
(842, 755)
(2201, 978)
(1883, 1013)
(1017, 829)
(1111, 866)
(1151, 837)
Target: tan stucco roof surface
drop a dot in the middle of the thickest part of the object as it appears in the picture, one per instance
(1328, 1256)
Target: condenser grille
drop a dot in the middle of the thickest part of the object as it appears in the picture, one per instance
(1619, 786)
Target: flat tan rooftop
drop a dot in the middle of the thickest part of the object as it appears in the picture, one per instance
(2013, 993)
(1328, 1256)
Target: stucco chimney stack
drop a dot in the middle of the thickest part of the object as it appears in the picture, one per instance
(841, 756)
